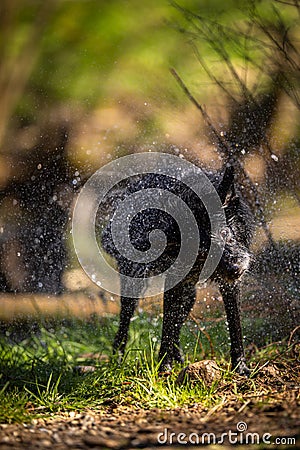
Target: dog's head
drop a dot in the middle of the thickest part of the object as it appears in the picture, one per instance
(238, 233)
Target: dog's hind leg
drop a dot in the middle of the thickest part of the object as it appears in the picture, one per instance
(128, 306)
(178, 302)
(231, 293)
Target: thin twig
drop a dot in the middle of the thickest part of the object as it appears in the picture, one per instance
(222, 144)
(292, 334)
(211, 76)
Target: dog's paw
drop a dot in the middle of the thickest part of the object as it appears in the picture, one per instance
(241, 368)
(165, 369)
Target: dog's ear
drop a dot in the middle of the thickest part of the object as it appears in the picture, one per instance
(226, 187)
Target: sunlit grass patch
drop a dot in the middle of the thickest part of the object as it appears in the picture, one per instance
(42, 376)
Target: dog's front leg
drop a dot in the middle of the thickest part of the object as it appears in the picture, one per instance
(178, 302)
(231, 294)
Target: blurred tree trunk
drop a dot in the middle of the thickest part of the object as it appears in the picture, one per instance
(33, 254)
(18, 54)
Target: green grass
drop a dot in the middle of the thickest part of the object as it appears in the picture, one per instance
(39, 377)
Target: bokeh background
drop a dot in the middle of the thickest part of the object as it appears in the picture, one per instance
(84, 82)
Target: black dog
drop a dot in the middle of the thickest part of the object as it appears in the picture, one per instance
(179, 300)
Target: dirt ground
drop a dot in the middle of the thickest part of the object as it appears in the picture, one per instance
(268, 415)
(124, 428)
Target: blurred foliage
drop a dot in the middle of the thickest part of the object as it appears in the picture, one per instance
(82, 55)
(92, 52)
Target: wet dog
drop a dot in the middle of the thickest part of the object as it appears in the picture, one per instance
(179, 300)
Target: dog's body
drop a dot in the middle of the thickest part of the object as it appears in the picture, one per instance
(179, 300)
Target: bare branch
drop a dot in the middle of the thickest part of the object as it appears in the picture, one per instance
(228, 154)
